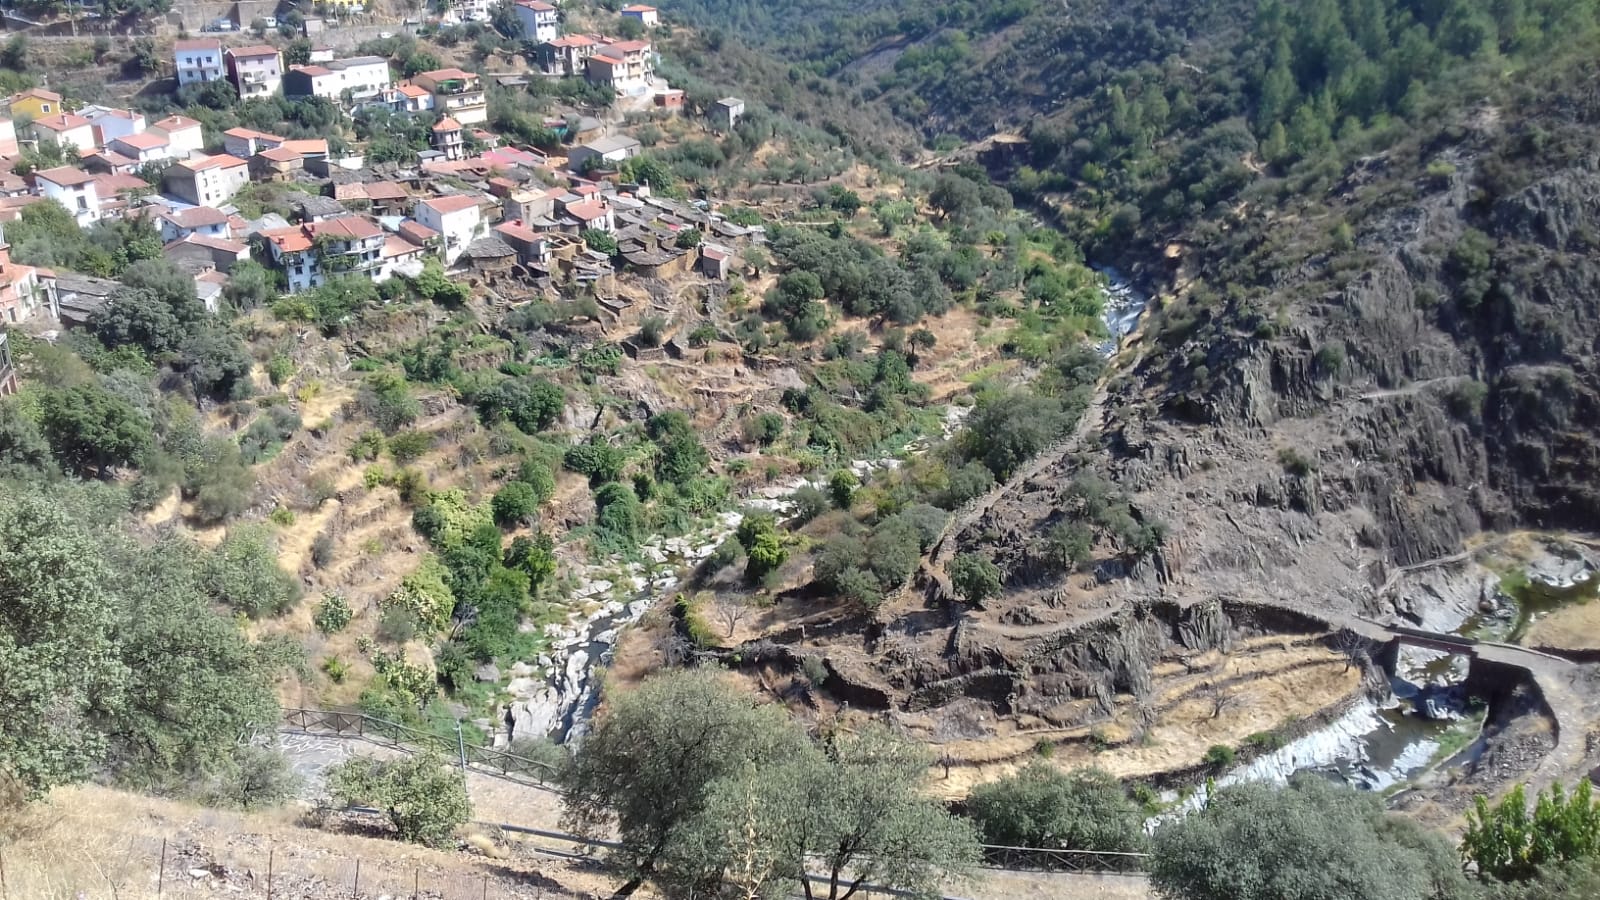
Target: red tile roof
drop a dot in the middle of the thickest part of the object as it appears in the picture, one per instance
(447, 124)
(350, 227)
(413, 91)
(281, 154)
(627, 47)
(572, 40)
(308, 147)
(451, 74)
(66, 176)
(219, 161)
(62, 122)
(145, 141)
(37, 94)
(209, 242)
(293, 239)
(196, 217)
(254, 50)
(518, 230)
(385, 190)
(174, 123)
(587, 212)
(395, 245)
(416, 232)
(198, 44)
(252, 134)
(450, 204)
(118, 182)
(638, 8)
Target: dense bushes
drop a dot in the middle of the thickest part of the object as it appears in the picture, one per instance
(1042, 806)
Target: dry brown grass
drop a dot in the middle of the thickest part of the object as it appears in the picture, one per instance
(92, 842)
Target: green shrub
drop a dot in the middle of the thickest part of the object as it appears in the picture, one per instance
(424, 800)
(1219, 756)
(515, 503)
(335, 668)
(332, 614)
(974, 577)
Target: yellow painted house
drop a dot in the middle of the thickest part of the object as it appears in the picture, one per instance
(35, 103)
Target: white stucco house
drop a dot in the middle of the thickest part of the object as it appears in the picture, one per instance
(540, 20)
(199, 61)
(457, 219)
(74, 189)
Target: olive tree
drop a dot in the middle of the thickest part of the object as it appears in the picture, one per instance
(424, 800)
(1041, 806)
(650, 764)
(1307, 841)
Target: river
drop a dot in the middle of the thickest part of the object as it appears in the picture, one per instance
(554, 695)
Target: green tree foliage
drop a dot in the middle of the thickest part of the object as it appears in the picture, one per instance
(709, 793)
(115, 659)
(651, 762)
(596, 458)
(386, 399)
(531, 404)
(975, 578)
(681, 458)
(854, 809)
(1041, 806)
(763, 545)
(600, 242)
(1008, 427)
(1508, 842)
(1312, 839)
(515, 503)
(842, 486)
(56, 645)
(425, 800)
(796, 301)
(90, 429)
(243, 573)
(333, 614)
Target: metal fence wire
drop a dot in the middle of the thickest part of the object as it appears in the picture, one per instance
(406, 738)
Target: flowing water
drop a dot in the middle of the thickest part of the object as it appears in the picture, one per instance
(555, 694)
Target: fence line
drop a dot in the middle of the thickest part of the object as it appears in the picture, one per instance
(521, 769)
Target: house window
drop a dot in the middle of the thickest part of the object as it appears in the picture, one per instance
(45, 108)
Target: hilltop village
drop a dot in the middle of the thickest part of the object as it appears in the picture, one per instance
(517, 217)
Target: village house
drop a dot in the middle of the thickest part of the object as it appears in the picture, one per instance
(449, 138)
(533, 204)
(715, 262)
(176, 224)
(64, 130)
(110, 123)
(359, 78)
(184, 135)
(407, 98)
(310, 148)
(670, 100)
(247, 142)
(276, 164)
(457, 94)
(540, 21)
(35, 103)
(647, 16)
(23, 291)
(566, 55)
(197, 251)
(312, 252)
(533, 248)
(468, 11)
(586, 215)
(726, 113)
(141, 148)
(400, 257)
(117, 191)
(74, 189)
(256, 71)
(208, 180)
(603, 153)
(456, 218)
(198, 61)
(317, 208)
(382, 198)
(627, 67)
(8, 138)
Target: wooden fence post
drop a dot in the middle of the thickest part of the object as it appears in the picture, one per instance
(161, 870)
(355, 889)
